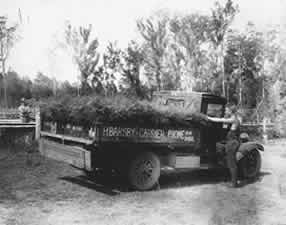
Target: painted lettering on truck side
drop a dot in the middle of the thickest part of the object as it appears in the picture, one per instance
(185, 135)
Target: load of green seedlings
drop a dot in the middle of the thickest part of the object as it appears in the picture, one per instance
(91, 110)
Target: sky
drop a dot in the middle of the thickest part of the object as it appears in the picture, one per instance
(112, 20)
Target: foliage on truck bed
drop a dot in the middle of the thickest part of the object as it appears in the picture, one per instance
(89, 110)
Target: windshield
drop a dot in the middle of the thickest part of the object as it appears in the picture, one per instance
(215, 110)
(192, 105)
(175, 102)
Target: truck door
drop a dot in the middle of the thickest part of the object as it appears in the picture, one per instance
(212, 106)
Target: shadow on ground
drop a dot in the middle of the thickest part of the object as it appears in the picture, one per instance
(202, 177)
(116, 185)
(254, 180)
(107, 186)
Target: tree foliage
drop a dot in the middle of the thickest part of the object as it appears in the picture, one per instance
(189, 59)
(84, 52)
(132, 64)
(242, 66)
(220, 21)
(154, 32)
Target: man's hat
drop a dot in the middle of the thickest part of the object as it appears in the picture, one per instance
(244, 136)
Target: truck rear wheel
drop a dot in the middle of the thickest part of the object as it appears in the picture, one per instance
(144, 171)
(250, 164)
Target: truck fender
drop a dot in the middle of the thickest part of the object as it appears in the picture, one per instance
(246, 147)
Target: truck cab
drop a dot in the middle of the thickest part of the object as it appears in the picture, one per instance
(197, 102)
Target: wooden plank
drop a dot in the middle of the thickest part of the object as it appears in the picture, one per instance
(87, 160)
(38, 124)
(15, 122)
(17, 126)
(73, 155)
(190, 161)
(10, 121)
(256, 124)
(66, 138)
(48, 134)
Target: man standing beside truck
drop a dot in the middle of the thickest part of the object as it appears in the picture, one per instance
(232, 139)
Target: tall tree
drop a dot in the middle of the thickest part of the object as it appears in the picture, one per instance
(189, 35)
(242, 64)
(85, 53)
(66, 88)
(7, 39)
(17, 88)
(43, 86)
(112, 60)
(133, 61)
(154, 32)
(221, 19)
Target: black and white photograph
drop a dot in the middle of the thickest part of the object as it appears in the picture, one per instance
(155, 112)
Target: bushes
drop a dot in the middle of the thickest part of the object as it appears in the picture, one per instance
(255, 132)
(18, 139)
(89, 110)
(280, 123)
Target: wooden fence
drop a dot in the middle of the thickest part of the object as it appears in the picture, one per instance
(6, 114)
(14, 113)
(11, 118)
(263, 126)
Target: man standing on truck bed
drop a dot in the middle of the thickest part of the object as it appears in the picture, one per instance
(232, 139)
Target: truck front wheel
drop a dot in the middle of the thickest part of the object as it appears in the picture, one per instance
(144, 171)
(250, 164)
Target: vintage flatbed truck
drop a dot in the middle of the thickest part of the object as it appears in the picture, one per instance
(140, 153)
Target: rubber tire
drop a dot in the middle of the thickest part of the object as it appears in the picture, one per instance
(244, 165)
(138, 168)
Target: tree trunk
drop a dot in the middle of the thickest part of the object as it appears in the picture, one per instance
(158, 79)
(227, 91)
(240, 90)
(4, 73)
(222, 69)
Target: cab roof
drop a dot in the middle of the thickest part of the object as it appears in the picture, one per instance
(204, 95)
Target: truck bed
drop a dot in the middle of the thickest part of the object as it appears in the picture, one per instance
(73, 150)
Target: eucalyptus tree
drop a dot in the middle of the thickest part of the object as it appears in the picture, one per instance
(110, 69)
(189, 47)
(132, 82)
(85, 53)
(221, 18)
(8, 37)
(154, 32)
(243, 61)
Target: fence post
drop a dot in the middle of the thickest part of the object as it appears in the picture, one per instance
(38, 123)
(264, 134)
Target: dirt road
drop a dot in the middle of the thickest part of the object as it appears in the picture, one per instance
(53, 193)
